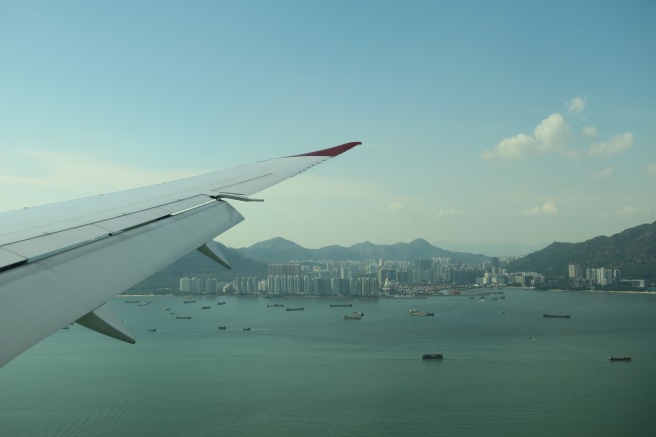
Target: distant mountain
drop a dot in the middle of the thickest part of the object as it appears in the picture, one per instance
(253, 260)
(279, 250)
(492, 249)
(633, 251)
(275, 250)
(198, 265)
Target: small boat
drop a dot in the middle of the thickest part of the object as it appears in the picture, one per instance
(275, 305)
(294, 309)
(189, 301)
(627, 358)
(166, 308)
(247, 329)
(222, 327)
(152, 330)
(341, 304)
(354, 317)
(560, 316)
(183, 317)
(206, 308)
(359, 313)
(131, 301)
(432, 356)
(220, 303)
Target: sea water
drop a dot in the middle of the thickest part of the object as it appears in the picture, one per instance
(506, 369)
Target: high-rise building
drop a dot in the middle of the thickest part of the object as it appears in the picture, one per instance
(574, 271)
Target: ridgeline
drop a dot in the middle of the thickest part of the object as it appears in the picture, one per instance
(633, 251)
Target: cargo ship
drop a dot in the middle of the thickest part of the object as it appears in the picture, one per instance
(627, 358)
(414, 312)
(294, 309)
(432, 356)
(561, 316)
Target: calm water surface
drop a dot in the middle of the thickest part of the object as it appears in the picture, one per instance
(506, 369)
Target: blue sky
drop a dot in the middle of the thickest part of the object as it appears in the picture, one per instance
(481, 122)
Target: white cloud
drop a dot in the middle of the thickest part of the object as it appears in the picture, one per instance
(602, 174)
(576, 105)
(547, 209)
(589, 131)
(651, 169)
(613, 146)
(550, 136)
(629, 210)
(395, 206)
(449, 212)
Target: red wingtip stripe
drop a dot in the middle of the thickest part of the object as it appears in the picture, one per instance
(332, 151)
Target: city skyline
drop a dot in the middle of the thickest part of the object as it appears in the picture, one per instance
(481, 123)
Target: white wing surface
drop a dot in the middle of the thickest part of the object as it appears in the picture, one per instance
(60, 263)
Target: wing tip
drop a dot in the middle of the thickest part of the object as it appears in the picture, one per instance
(331, 152)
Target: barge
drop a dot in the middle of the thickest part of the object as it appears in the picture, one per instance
(432, 356)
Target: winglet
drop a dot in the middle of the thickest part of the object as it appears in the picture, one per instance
(330, 152)
(102, 320)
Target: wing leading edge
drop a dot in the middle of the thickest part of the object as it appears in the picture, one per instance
(62, 262)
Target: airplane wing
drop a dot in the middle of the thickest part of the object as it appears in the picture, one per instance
(60, 263)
